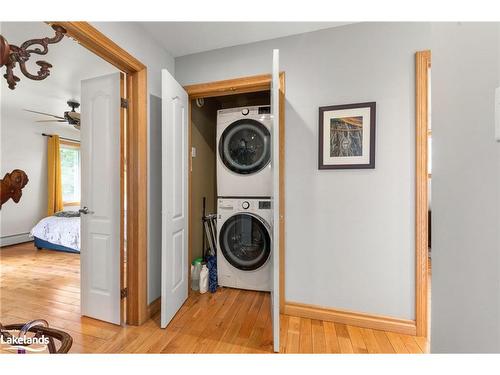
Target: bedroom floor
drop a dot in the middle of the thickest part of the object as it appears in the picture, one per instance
(45, 284)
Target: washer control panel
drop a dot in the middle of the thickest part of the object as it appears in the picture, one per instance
(227, 205)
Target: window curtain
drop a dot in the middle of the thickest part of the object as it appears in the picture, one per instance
(54, 184)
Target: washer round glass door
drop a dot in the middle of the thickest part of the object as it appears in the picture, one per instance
(245, 242)
(245, 146)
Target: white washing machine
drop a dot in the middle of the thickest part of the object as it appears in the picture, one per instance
(244, 239)
(244, 152)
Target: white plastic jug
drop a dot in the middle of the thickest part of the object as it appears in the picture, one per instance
(195, 274)
(204, 279)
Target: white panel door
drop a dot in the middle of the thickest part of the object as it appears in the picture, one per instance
(174, 254)
(100, 198)
(275, 289)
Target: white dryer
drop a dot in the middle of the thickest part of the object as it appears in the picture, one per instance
(244, 238)
(244, 152)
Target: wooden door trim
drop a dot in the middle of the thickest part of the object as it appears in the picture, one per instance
(233, 86)
(242, 85)
(123, 269)
(136, 150)
(98, 43)
(422, 65)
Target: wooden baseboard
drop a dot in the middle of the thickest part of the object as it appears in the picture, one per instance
(353, 318)
(154, 307)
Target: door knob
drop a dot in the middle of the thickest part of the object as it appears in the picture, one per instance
(85, 210)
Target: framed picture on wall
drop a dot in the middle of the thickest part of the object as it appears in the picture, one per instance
(347, 136)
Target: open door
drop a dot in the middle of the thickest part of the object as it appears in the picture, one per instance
(100, 198)
(175, 169)
(275, 288)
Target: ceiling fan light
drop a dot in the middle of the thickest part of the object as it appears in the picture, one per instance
(71, 117)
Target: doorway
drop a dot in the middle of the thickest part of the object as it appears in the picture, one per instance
(177, 109)
(203, 195)
(256, 87)
(135, 148)
(68, 164)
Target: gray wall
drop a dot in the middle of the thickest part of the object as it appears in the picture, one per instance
(465, 189)
(350, 233)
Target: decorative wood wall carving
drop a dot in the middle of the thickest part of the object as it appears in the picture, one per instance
(11, 186)
(10, 55)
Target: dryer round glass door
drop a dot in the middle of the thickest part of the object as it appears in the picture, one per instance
(245, 146)
(245, 242)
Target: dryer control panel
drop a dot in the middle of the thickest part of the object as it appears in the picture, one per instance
(264, 205)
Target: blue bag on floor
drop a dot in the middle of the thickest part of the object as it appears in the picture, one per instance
(212, 273)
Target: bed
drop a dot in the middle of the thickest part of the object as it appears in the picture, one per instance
(57, 233)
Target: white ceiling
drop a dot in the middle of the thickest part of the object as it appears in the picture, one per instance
(185, 38)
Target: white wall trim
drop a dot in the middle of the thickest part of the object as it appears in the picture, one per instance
(15, 239)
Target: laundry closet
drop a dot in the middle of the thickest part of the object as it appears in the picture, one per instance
(231, 177)
(223, 154)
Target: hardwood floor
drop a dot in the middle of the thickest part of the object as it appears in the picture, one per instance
(45, 284)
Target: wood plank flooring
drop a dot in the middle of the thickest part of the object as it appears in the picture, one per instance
(45, 284)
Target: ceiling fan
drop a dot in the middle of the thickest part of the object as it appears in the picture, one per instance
(71, 117)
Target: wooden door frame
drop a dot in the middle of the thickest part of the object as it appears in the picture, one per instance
(422, 65)
(136, 151)
(243, 85)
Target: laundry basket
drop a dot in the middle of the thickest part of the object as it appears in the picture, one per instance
(33, 337)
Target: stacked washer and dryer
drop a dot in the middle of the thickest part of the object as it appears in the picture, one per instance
(244, 186)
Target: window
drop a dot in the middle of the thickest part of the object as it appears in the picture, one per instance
(70, 173)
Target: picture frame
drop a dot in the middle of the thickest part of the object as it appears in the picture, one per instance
(347, 136)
